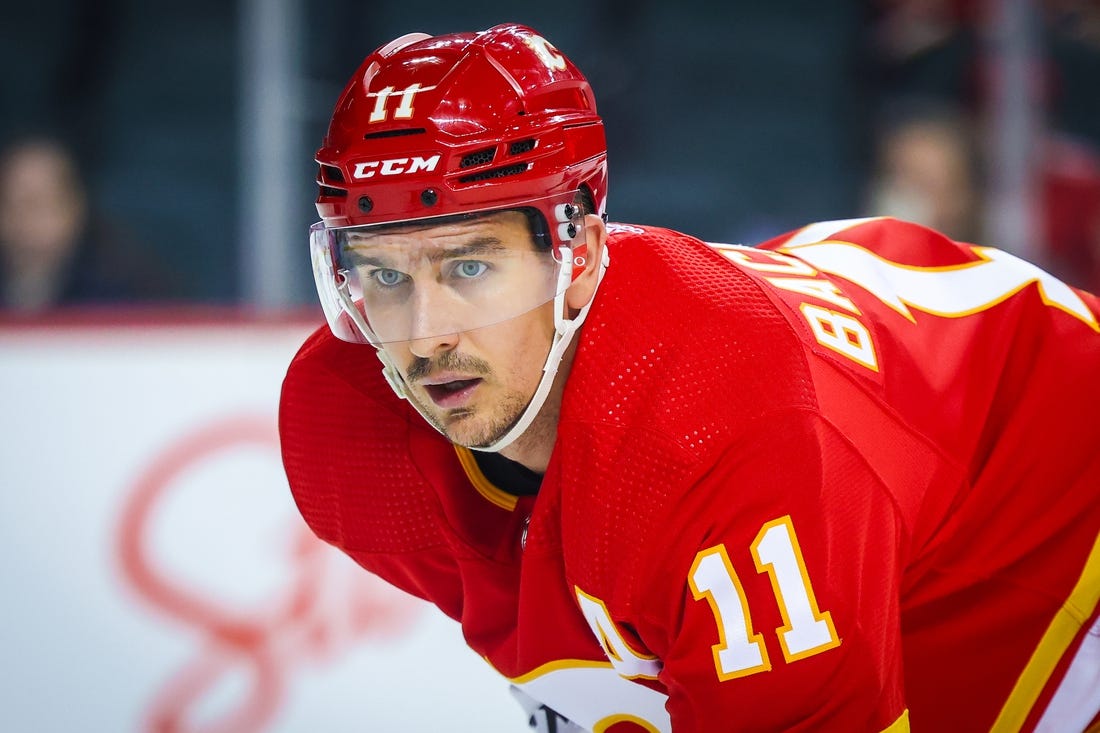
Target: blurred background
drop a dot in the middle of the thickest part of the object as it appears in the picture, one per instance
(156, 186)
(191, 126)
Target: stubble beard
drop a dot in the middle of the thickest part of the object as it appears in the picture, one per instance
(472, 427)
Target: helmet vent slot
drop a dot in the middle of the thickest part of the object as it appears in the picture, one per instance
(481, 157)
(394, 133)
(330, 191)
(332, 173)
(521, 146)
(507, 170)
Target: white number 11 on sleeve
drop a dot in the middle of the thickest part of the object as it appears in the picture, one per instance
(806, 629)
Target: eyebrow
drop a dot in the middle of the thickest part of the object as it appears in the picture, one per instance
(477, 246)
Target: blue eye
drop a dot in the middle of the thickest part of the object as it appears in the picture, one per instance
(387, 277)
(469, 268)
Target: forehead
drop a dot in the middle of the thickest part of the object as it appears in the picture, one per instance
(507, 230)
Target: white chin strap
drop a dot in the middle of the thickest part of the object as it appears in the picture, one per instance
(564, 330)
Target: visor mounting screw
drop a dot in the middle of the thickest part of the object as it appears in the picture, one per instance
(429, 197)
(365, 204)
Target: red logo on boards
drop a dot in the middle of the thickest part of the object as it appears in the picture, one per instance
(325, 607)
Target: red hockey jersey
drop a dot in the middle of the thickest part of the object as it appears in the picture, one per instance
(845, 481)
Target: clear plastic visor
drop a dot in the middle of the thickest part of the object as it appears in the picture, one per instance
(430, 278)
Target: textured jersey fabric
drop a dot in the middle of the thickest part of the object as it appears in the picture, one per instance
(846, 481)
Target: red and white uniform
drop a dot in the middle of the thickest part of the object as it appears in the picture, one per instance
(847, 481)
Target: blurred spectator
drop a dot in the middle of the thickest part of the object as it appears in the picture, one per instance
(921, 47)
(1071, 203)
(930, 165)
(1072, 39)
(927, 170)
(53, 251)
(1070, 165)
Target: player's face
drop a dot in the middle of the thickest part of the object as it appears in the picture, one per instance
(473, 384)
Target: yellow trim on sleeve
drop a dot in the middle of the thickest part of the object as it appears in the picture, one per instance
(901, 725)
(603, 724)
(484, 486)
(1073, 614)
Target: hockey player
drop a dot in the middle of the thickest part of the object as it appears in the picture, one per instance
(848, 480)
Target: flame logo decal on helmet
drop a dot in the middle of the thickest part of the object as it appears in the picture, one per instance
(546, 52)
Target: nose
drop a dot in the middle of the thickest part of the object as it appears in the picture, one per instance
(430, 346)
(433, 330)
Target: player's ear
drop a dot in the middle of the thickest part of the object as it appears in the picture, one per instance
(586, 263)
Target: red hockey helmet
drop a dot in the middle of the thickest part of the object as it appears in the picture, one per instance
(433, 126)
(456, 124)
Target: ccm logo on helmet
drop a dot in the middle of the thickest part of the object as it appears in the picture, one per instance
(395, 166)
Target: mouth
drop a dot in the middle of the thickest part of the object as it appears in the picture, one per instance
(452, 394)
